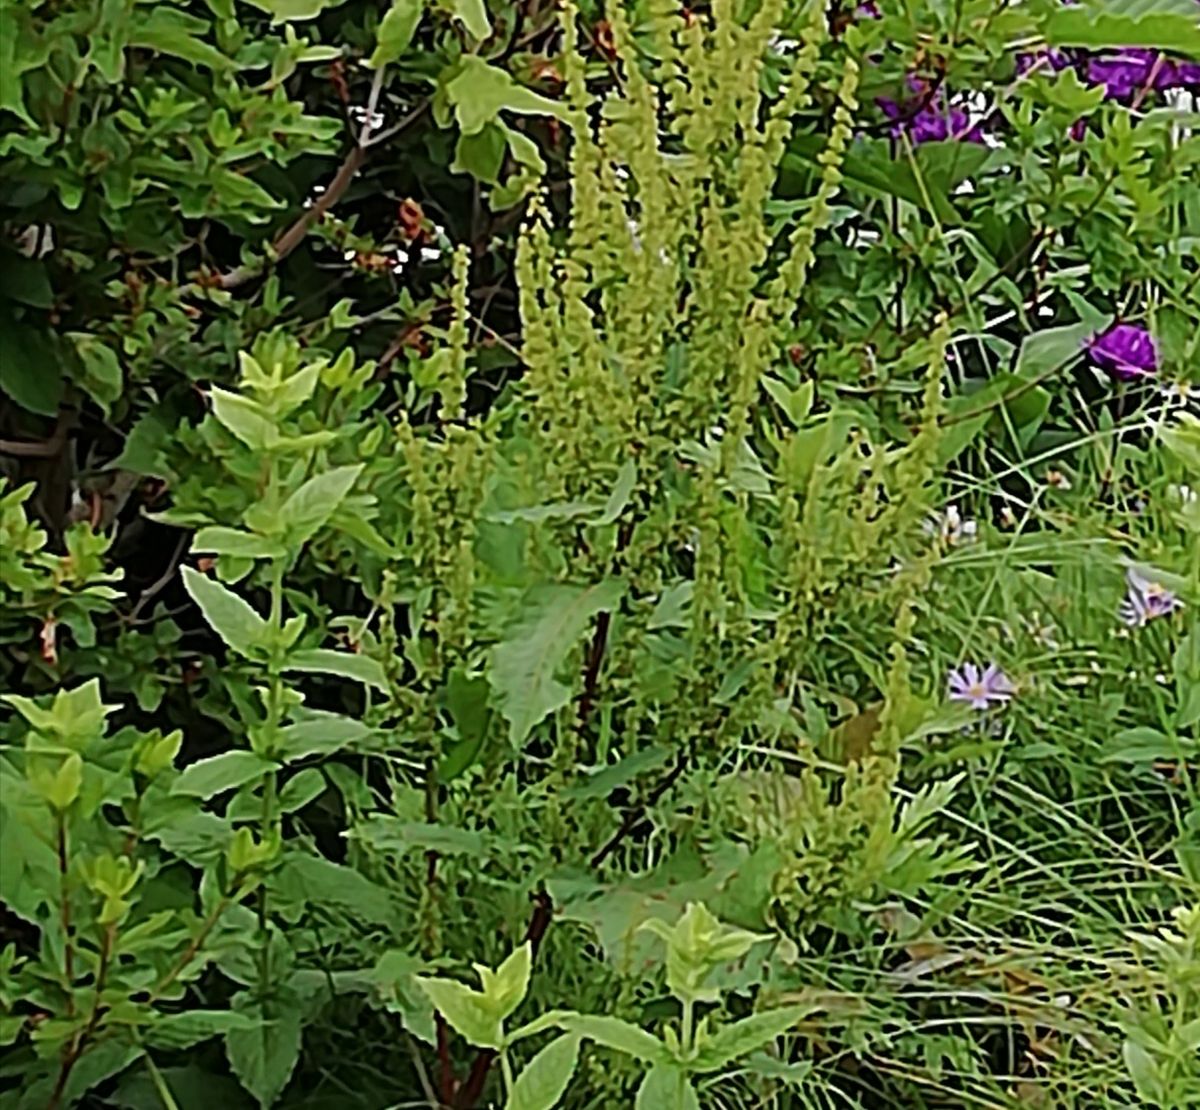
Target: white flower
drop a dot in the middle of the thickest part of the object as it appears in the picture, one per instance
(951, 527)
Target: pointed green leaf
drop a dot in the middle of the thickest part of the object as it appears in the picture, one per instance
(623, 1036)
(396, 31)
(218, 540)
(472, 14)
(263, 1054)
(342, 664)
(208, 777)
(190, 1027)
(232, 618)
(505, 988)
(308, 510)
(546, 1076)
(666, 1087)
(322, 734)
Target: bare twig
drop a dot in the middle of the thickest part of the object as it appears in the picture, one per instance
(290, 239)
(40, 448)
(160, 583)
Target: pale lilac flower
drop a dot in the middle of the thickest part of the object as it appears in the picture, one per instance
(1145, 600)
(979, 689)
(1125, 350)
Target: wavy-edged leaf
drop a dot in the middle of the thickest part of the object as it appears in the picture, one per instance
(525, 662)
(732, 1042)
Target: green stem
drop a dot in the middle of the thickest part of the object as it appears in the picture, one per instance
(269, 819)
(160, 1085)
(686, 1033)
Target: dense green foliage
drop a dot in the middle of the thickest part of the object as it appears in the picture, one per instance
(493, 495)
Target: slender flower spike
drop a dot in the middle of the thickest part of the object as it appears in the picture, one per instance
(1145, 600)
(980, 690)
(1124, 350)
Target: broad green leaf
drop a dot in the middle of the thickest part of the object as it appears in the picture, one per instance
(170, 31)
(308, 510)
(545, 1078)
(284, 11)
(303, 787)
(525, 662)
(396, 31)
(466, 1011)
(208, 777)
(30, 366)
(232, 618)
(467, 699)
(102, 378)
(75, 716)
(1098, 24)
(321, 882)
(666, 1087)
(219, 540)
(621, 773)
(190, 1027)
(25, 280)
(870, 165)
(731, 1043)
(341, 664)
(263, 1055)
(244, 418)
(1045, 352)
(472, 14)
(1143, 1070)
(105, 1060)
(481, 154)
(481, 92)
(623, 1036)
(322, 734)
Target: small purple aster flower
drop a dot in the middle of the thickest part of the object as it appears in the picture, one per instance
(1145, 600)
(1125, 350)
(980, 689)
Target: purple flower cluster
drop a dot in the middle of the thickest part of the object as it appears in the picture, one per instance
(1124, 350)
(926, 117)
(1136, 70)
